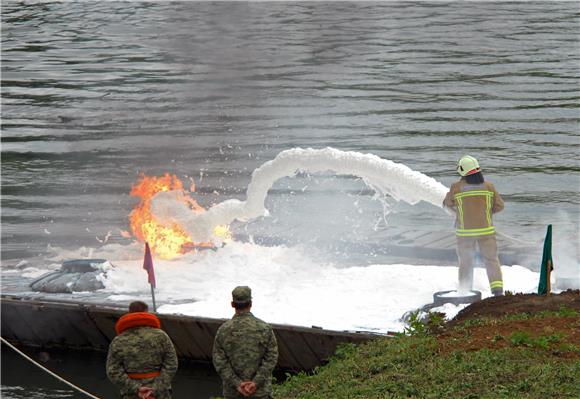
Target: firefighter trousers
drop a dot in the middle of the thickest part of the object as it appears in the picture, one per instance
(466, 250)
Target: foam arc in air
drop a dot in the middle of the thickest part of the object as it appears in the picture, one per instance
(382, 175)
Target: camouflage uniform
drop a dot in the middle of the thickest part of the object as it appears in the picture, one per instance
(141, 350)
(245, 349)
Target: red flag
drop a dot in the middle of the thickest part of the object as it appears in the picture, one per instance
(148, 265)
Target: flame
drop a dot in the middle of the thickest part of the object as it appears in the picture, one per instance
(167, 242)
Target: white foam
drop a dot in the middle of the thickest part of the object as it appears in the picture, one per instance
(386, 177)
(291, 288)
(457, 294)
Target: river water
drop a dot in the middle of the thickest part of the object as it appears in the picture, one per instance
(23, 380)
(95, 93)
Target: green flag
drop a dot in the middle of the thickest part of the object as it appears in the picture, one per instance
(547, 264)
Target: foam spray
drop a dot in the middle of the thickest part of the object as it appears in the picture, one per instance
(384, 176)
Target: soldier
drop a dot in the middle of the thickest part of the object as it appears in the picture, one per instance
(141, 359)
(245, 351)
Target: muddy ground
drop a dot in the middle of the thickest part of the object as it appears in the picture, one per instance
(519, 303)
(497, 332)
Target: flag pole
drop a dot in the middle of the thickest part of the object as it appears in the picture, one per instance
(148, 265)
(153, 298)
(548, 274)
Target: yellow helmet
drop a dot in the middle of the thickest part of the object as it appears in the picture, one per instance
(468, 165)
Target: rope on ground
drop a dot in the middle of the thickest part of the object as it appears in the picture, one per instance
(24, 355)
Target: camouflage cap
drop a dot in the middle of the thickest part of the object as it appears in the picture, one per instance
(242, 294)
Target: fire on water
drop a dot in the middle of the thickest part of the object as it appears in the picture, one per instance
(171, 241)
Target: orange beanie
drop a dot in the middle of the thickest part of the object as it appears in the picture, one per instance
(136, 319)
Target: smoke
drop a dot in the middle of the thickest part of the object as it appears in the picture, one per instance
(384, 176)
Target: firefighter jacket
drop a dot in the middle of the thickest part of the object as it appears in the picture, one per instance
(473, 205)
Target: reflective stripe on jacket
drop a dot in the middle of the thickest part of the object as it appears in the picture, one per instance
(474, 204)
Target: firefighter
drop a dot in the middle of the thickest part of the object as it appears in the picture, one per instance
(474, 201)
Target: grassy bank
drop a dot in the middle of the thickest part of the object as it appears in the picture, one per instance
(514, 356)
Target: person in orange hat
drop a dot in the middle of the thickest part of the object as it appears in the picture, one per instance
(141, 360)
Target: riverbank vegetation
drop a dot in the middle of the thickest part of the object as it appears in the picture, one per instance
(529, 354)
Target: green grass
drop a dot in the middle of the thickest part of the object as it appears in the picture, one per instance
(411, 366)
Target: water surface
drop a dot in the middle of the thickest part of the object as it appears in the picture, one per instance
(95, 93)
